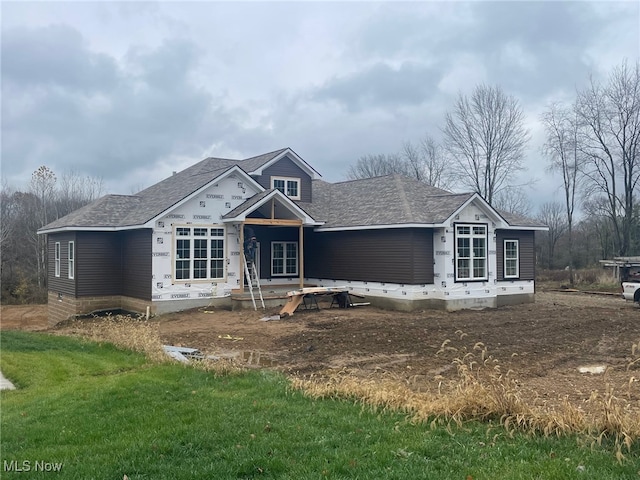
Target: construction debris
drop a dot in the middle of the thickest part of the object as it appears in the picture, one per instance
(229, 337)
(183, 354)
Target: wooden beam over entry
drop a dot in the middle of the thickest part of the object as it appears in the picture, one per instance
(274, 221)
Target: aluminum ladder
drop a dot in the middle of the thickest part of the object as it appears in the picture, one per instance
(252, 276)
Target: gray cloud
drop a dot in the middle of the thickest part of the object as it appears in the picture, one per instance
(380, 86)
(137, 90)
(56, 55)
(84, 111)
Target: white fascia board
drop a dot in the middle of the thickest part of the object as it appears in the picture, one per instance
(483, 206)
(91, 229)
(382, 227)
(293, 208)
(537, 228)
(219, 178)
(301, 163)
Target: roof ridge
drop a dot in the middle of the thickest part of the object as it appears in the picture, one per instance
(351, 180)
(264, 154)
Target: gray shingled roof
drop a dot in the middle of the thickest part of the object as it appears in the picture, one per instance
(106, 211)
(386, 200)
(516, 220)
(247, 204)
(132, 210)
(378, 201)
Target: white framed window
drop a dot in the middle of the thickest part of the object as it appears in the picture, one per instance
(199, 253)
(56, 261)
(471, 252)
(511, 259)
(287, 185)
(71, 259)
(284, 259)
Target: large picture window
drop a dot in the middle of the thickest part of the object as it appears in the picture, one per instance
(199, 253)
(471, 252)
(511, 259)
(289, 186)
(284, 258)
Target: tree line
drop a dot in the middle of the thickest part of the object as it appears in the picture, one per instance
(23, 265)
(592, 143)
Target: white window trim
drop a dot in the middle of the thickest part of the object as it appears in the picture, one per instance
(71, 259)
(191, 237)
(285, 180)
(56, 261)
(517, 258)
(471, 236)
(285, 274)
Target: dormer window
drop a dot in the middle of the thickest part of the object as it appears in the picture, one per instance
(287, 185)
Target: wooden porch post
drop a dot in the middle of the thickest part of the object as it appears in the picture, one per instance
(242, 260)
(301, 255)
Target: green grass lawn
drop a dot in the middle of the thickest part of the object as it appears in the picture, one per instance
(104, 413)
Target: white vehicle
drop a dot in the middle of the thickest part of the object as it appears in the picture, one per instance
(627, 269)
(631, 290)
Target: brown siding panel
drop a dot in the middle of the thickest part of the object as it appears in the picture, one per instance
(390, 255)
(136, 263)
(98, 263)
(61, 284)
(527, 252)
(287, 168)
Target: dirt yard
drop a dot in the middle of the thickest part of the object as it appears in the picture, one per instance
(543, 345)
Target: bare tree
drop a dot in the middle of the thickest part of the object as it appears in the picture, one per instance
(609, 115)
(369, 166)
(600, 226)
(552, 215)
(513, 201)
(562, 148)
(7, 213)
(42, 186)
(427, 162)
(486, 138)
(74, 191)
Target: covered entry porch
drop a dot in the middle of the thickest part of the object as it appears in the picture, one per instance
(271, 232)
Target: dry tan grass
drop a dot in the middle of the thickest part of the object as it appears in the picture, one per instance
(481, 391)
(138, 335)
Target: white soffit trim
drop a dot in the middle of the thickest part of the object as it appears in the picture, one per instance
(93, 229)
(383, 227)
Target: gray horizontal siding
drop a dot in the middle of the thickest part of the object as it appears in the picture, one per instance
(114, 263)
(285, 167)
(136, 263)
(99, 264)
(527, 253)
(391, 255)
(61, 284)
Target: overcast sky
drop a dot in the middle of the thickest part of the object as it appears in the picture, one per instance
(132, 91)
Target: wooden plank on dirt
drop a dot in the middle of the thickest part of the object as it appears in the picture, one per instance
(292, 303)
